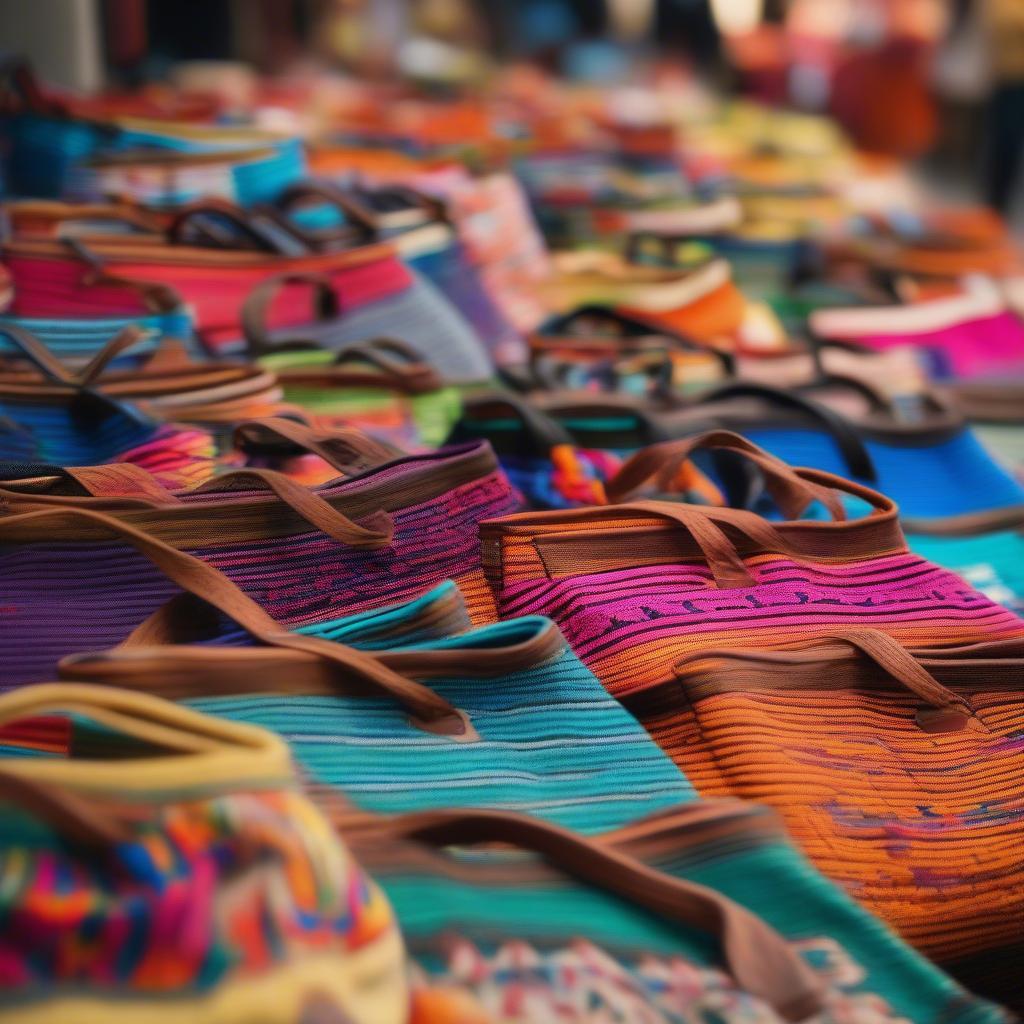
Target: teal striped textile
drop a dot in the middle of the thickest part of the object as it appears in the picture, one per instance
(745, 856)
(552, 741)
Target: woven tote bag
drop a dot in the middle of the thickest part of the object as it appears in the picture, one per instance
(908, 790)
(638, 586)
(172, 869)
(75, 340)
(52, 141)
(418, 225)
(64, 419)
(380, 386)
(704, 305)
(597, 331)
(49, 273)
(538, 453)
(420, 317)
(995, 407)
(304, 554)
(502, 716)
(965, 335)
(167, 384)
(594, 934)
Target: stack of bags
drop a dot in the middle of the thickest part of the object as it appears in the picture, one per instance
(567, 590)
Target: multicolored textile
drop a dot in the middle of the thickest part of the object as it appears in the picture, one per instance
(182, 875)
(637, 587)
(508, 928)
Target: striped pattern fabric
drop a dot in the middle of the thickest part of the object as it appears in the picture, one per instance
(85, 428)
(420, 315)
(919, 826)
(552, 742)
(632, 607)
(631, 626)
(950, 476)
(455, 276)
(48, 282)
(495, 905)
(297, 573)
(77, 340)
(78, 429)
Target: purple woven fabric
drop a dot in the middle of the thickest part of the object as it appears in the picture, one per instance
(61, 598)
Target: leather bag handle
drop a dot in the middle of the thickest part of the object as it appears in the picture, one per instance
(756, 955)
(792, 492)
(942, 709)
(257, 305)
(855, 455)
(205, 582)
(346, 449)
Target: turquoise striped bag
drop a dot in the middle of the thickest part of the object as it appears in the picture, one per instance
(502, 716)
(703, 913)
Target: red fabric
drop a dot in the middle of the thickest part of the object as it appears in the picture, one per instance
(55, 288)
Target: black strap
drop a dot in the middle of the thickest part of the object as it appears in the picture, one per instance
(857, 458)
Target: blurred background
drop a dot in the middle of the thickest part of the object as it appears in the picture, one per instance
(939, 83)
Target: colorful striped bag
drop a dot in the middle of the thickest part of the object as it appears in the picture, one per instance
(502, 716)
(175, 871)
(304, 554)
(166, 385)
(379, 386)
(64, 419)
(702, 913)
(370, 282)
(897, 771)
(419, 227)
(636, 587)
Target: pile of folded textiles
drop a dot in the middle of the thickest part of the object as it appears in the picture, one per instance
(589, 590)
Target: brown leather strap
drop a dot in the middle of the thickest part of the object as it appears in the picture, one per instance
(725, 563)
(791, 492)
(222, 209)
(943, 710)
(121, 480)
(346, 449)
(324, 192)
(204, 581)
(159, 657)
(123, 341)
(258, 302)
(758, 957)
(158, 297)
(309, 505)
(33, 349)
(408, 372)
(726, 566)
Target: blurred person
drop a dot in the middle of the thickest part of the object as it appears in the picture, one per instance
(1004, 20)
(882, 91)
